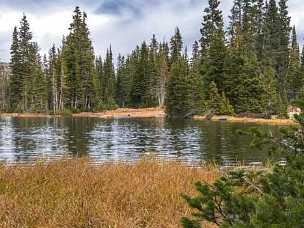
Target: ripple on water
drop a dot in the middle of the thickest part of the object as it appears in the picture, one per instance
(27, 140)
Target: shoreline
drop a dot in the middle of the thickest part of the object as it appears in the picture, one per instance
(126, 113)
(247, 120)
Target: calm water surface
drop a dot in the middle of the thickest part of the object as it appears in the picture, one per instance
(26, 140)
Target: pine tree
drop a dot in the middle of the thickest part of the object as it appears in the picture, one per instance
(219, 104)
(163, 78)
(295, 76)
(213, 46)
(152, 81)
(38, 91)
(176, 46)
(71, 55)
(88, 73)
(109, 81)
(25, 47)
(259, 38)
(141, 78)
(243, 80)
(80, 76)
(179, 103)
(196, 79)
(283, 56)
(28, 86)
(276, 43)
(123, 85)
(16, 79)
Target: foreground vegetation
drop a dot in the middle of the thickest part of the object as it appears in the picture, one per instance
(272, 198)
(75, 194)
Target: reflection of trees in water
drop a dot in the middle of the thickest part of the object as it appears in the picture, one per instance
(224, 145)
(22, 137)
(76, 135)
(181, 133)
(212, 141)
(126, 139)
(144, 134)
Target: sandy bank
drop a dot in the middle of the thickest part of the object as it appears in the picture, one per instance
(28, 115)
(122, 113)
(232, 119)
(125, 113)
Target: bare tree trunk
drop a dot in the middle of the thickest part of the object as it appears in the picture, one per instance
(54, 92)
(61, 104)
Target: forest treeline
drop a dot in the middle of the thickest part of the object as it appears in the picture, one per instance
(252, 65)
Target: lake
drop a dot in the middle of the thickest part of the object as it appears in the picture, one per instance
(194, 142)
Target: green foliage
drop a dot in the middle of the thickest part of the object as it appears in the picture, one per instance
(255, 67)
(213, 46)
(79, 71)
(272, 198)
(179, 97)
(295, 73)
(243, 84)
(220, 104)
(27, 83)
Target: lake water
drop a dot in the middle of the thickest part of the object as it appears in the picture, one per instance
(28, 140)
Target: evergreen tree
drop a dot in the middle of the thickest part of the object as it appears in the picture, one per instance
(25, 48)
(80, 75)
(109, 81)
(295, 75)
(276, 42)
(100, 76)
(27, 85)
(179, 103)
(16, 79)
(243, 80)
(176, 46)
(219, 104)
(152, 82)
(123, 85)
(259, 39)
(213, 46)
(37, 94)
(163, 77)
(283, 57)
(142, 92)
(196, 79)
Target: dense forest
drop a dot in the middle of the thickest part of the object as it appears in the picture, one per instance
(252, 65)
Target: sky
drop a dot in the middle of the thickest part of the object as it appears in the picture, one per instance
(120, 23)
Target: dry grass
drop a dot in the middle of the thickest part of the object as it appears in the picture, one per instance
(76, 194)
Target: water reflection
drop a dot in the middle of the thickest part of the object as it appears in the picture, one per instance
(26, 140)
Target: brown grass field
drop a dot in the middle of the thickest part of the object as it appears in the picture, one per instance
(74, 193)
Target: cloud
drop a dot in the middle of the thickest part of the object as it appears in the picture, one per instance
(120, 23)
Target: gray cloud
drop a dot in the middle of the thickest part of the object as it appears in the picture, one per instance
(121, 23)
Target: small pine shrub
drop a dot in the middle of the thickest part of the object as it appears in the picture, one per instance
(272, 198)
